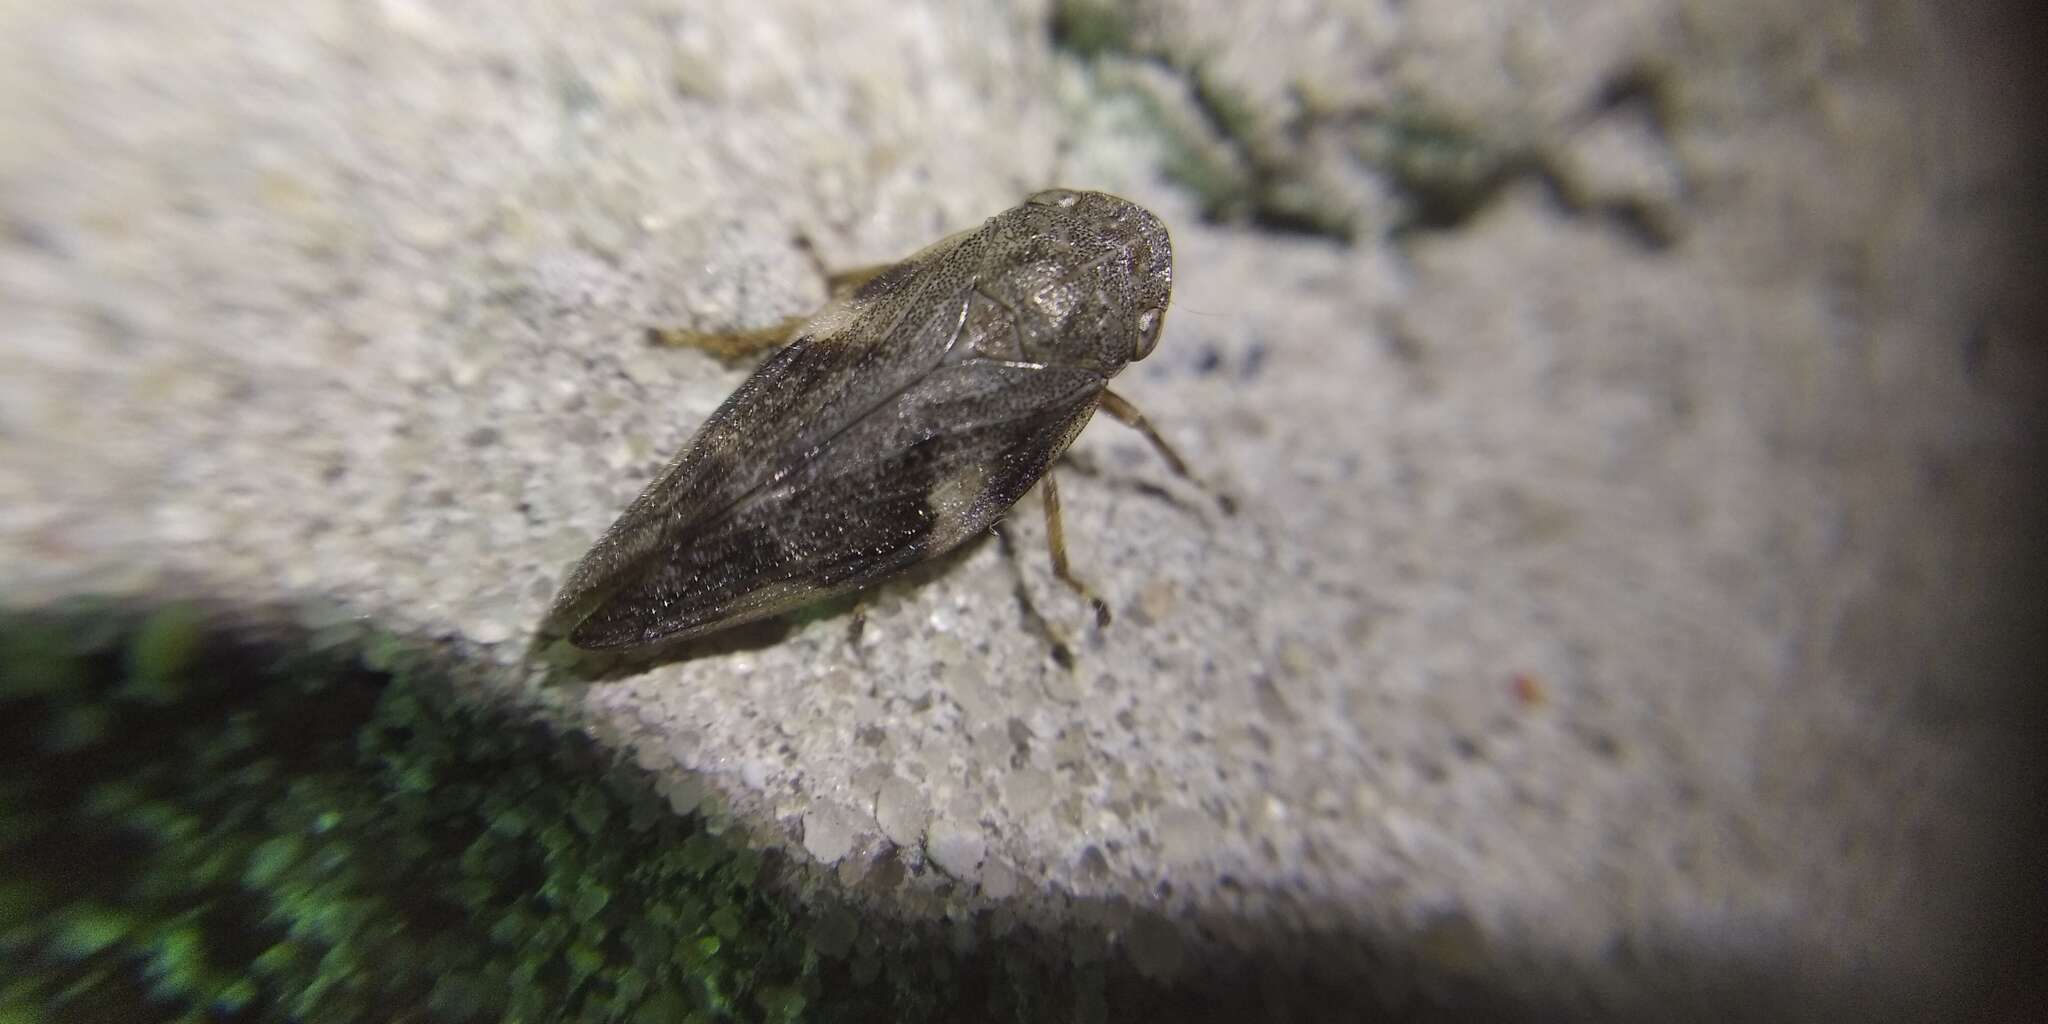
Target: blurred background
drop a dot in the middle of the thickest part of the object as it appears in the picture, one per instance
(1632, 609)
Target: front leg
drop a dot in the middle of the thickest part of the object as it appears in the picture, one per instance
(1128, 414)
(1056, 641)
(1056, 539)
(728, 347)
(738, 346)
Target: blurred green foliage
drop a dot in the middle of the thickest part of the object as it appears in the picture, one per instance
(202, 824)
(1091, 27)
(195, 828)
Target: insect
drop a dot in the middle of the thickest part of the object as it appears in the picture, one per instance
(904, 419)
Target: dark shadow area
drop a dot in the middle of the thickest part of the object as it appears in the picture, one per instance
(214, 813)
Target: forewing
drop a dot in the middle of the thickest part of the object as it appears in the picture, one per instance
(938, 463)
(857, 355)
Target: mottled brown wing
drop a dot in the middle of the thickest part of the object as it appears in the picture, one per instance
(855, 355)
(940, 461)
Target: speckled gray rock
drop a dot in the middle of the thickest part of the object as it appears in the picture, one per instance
(901, 809)
(998, 880)
(830, 829)
(1631, 515)
(956, 847)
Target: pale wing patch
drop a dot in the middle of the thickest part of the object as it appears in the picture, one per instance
(952, 502)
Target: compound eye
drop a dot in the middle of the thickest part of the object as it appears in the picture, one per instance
(1059, 197)
(1149, 324)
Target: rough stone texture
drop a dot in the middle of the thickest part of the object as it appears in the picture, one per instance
(830, 831)
(901, 810)
(956, 847)
(1630, 552)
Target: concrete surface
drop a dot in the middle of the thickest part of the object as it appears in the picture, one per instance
(1630, 572)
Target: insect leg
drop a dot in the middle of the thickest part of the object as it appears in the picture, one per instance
(840, 283)
(728, 346)
(845, 282)
(856, 625)
(1128, 414)
(737, 345)
(1056, 539)
(1034, 620)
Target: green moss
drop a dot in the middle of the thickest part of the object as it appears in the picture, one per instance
(163, 647)
(271, 859)
(1241, 163)
(1215, 175)
(88, 929)
(36, 660)
(1229, 110)
(781, 1003)
(834, 933)
(590, 812)
(271, 832)
(278, 833)
(1272, 165)
(1446, 171)
(1092, 27)
(79, 727)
